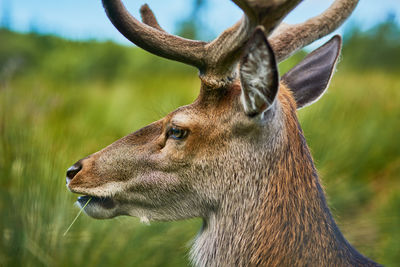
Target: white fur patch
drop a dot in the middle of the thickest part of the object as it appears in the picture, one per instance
(180, 118)
(105, 190)
(257, 76)
(145, 220)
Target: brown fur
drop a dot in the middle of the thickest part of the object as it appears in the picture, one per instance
(255, 185)
(276, 214)
(298, 226)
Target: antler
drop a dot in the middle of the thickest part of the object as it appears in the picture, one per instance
(217, 59)
(149, 18)
(152, 39)
(287, 39)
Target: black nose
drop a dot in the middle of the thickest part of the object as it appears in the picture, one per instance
(73, 170)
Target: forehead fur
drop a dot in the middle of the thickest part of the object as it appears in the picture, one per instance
(223, 104)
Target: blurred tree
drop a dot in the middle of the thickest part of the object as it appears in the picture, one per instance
(190, 27)
(6, 18)
(376, 48)
(34, 26)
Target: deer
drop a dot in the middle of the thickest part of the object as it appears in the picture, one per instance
(236, 157)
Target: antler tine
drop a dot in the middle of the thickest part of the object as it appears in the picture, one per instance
(152, 39)
(287, 39)
(149, 18)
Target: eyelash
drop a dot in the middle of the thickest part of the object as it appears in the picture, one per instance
(177, 133)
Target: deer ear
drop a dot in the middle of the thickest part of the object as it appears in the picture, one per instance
(309, 79)
(258, 75)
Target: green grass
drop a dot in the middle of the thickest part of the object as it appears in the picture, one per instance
(69, 100)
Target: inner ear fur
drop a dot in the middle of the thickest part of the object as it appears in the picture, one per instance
(258, 75)
(309, 79)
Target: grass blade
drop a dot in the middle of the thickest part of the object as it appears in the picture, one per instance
(76, 217)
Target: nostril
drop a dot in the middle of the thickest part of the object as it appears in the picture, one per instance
(73, 170)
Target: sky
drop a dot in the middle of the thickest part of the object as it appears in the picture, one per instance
(86, 19)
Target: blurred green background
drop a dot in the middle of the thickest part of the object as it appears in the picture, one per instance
(61, 100)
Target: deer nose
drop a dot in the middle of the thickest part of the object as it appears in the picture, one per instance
(73, 170)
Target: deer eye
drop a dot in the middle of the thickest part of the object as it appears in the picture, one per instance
(177, 133)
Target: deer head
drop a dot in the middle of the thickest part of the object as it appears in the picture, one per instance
(236, 156)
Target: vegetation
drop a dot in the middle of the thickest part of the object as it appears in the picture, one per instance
(62, 100)
(376, 49)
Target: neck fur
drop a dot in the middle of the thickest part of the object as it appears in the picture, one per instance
(282, 219)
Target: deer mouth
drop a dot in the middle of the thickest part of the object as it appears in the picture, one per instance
(104, 202)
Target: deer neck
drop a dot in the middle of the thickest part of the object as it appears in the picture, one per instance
(280, 218)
